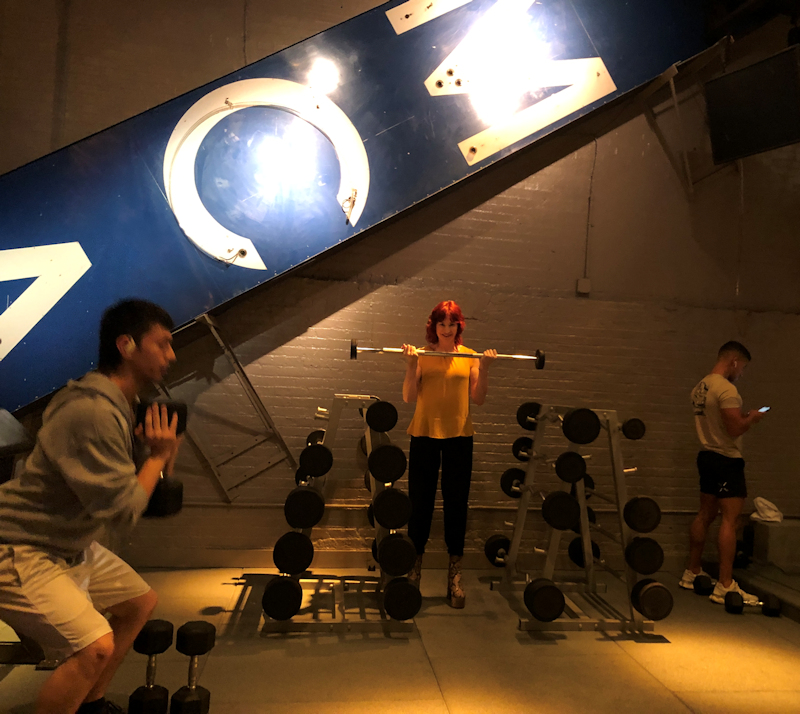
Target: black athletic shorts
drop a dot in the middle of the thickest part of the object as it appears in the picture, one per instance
(721, 476)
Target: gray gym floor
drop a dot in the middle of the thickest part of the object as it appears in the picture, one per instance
(700, 658)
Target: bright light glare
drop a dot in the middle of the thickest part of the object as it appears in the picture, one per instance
(324, 76)
(500, 59)
(286, 163)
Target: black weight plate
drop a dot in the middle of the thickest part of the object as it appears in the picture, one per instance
(642, 514)
(561, 511)
(575, 551)
(154, 638)
(396, 554)
(652, 599)
(293, 553)
(494, 544)
(588, 485)
(633, 429)
(315, 437)
(526, 415)
(149, 700)
(316, 460)
(282, 598)
(401, 599)
(544, 600)
(644, 555)
(381, 416)
(375, 550)
(392, 508)
(370, 515)
(387, 463)
(166, 499)
(304, 507)
(590, 514)
(734, 603)
(703, 585)
(570, 467)
(581, 426)
(771, 606)
(509, 479)
(524, 443)
(301, 476)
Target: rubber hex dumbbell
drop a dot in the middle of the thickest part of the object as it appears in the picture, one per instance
(194, 639)
(703, 585)
(154, 639)
(166, 499)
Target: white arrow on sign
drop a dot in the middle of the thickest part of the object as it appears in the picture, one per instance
(56, 269)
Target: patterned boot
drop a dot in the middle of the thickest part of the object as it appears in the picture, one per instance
(455, 593)
(416, 572)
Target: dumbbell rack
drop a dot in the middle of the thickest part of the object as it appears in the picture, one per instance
(337, 615)
(585, 609)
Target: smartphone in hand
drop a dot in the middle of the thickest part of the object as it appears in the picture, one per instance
(172, 407)
(764, 410)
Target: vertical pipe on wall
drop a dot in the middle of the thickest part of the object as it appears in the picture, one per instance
(244, 34)
(61, 76)
(589, 214)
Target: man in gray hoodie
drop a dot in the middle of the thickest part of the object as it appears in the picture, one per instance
(90, 470)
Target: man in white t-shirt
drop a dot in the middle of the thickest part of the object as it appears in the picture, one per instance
(720, 423)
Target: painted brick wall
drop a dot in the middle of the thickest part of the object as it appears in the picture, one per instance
(672, 279)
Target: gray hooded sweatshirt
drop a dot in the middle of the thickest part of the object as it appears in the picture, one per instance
(81, 475)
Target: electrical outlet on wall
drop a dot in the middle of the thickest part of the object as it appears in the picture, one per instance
(584, 286)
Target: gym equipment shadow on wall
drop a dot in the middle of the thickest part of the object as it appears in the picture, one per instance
(578, 605)
(345, 603)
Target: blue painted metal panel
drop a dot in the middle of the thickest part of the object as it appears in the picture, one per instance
(267, 175)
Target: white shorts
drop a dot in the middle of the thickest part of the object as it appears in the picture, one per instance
(58, 604)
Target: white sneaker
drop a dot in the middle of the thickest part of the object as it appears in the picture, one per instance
(687, 579)
(720, 592)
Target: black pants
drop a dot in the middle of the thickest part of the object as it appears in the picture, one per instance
(424, 457)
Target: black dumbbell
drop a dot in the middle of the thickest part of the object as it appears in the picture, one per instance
(154, 638)
(771, 606)
(166, 499)
(194, 639)
(703, 585)
(734, 603)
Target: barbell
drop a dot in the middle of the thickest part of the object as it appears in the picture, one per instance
(282, 598)
(544, 599)
(538, 357)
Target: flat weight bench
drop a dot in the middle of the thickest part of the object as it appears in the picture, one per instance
(23, 651)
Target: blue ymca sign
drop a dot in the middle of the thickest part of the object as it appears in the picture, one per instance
(228, 186)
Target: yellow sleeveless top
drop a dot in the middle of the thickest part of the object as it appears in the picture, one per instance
(442, 410)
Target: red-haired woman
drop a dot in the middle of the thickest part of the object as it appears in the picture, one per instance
(441, 432)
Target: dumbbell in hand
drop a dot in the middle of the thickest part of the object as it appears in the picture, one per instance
(154, 639)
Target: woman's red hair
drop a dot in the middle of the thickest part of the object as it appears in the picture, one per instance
(444, 310)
